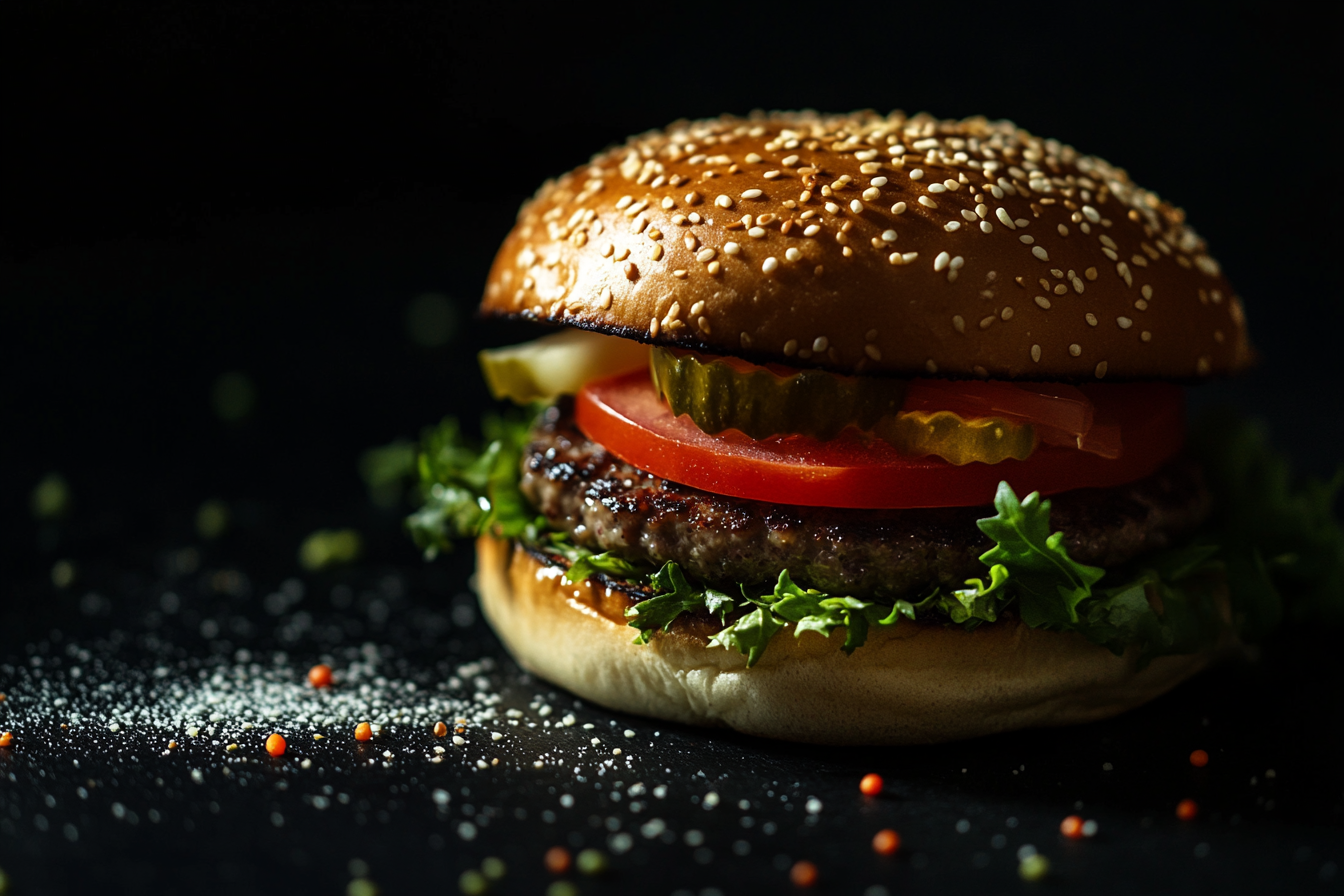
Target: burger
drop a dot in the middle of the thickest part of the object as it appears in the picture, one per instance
(855, 429)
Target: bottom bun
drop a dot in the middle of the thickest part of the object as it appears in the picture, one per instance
(912, 683)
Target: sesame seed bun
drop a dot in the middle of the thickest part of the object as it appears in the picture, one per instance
(875, 244)
(912, 683)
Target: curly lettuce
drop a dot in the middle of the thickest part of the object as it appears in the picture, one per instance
(1272, 544)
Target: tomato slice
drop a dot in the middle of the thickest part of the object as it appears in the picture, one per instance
(625, 414)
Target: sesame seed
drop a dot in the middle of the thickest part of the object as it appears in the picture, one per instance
(697, 308)
(680, 274)
(723, 201)
(1021, 222)
(654, 327)
(841, 238)
(832, 208)
(1075, 349)
(1005, 218)
(679, 220)
(791, 346)
(1077, 286)
(812, 230)
(1092, 214)
(985, 322)
(959, 323)
(1101, 370)
(705, 254)
(930, 366)
(624, 201)
(937, 188)
(1036, 353)
(1146, 291)
(968, 215)
(986, 227)
(750, 194)
(873, 352)
(606, 250)
(1146, 336)
(770, 175)
(1124, 322)
(909, 257)
(898, 208)
(917, 174)
(1027, 238)
(1040, 253)
(690, 241)
(927, 202)
(942, 261)
(957, 262)
(805, 196)
(790, 161)
(631, 272)
(952, 185)
(693, 198)
(770, 264)
(604, 300)
(855, 206)
(732, 248)
(1007, 313)
(703, 324)
(1141, 305)
(656, 253)
(713, 268)
(1043, 302)
(879, 181)
(756, 233)
(753, 158)
(819, 344)
(871, 194)
(1090, 318)
(793, 254)
(951, 226)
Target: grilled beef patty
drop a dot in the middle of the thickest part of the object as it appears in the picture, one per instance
(608, 505)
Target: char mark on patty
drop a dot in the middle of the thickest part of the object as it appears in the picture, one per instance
(606, 504)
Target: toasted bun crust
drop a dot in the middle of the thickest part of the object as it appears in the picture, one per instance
(912, 683)
(872, 244)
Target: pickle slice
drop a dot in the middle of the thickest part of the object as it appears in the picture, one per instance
(957, 440)
(720, 394)
(717, 396)
(558, 364)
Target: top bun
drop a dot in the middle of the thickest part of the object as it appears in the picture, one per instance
(875, 244)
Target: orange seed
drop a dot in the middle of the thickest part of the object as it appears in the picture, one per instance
(440, 729)
(1199, 759)
(275, 745)
(1186, 810)
(803, 874)
(320, 676)
(871, 785)
(886, 842)
(363, 731)
(557, 860)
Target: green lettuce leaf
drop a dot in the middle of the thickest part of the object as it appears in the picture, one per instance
(1270, 541)
(674, 596)
(469, 490)
(1049, 585)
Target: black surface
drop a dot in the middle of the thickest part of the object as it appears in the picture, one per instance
(265, 189)
(88, 804)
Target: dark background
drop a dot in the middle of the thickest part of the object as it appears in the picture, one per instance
(265, 188)
(263, 193)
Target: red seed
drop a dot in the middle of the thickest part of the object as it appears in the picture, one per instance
(871, 785)
(320, 676)
(440, 729)
(886, 842)
(1187, 810)
(803, 874)
(363, 731)
(557, 860)
(6, 738)
(1199, 759)
(1072, 827)
(275, 745)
